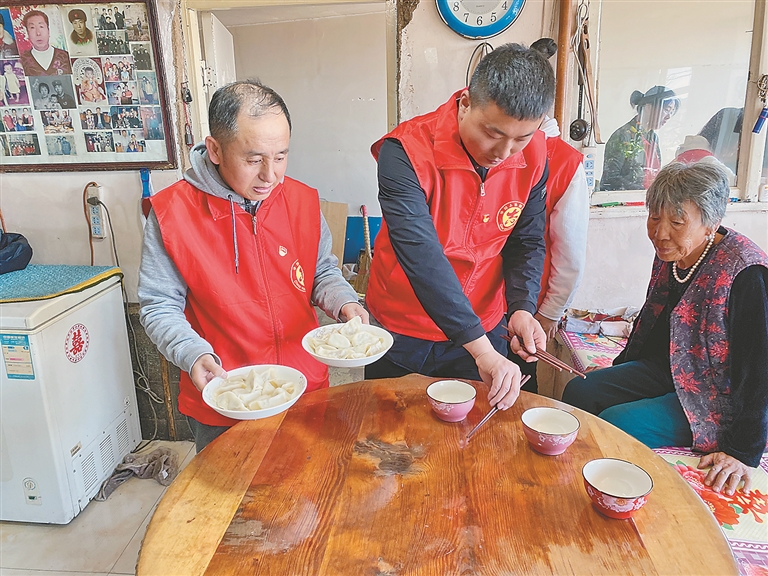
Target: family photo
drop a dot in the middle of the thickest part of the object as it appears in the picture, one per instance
(70, 69)
(60, 145)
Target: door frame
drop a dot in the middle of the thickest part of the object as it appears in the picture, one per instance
(192, 9)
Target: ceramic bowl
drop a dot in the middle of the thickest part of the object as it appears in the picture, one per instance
(451, 400)
(617, 487)
(340, 363)
(283, 372)
(550, 430)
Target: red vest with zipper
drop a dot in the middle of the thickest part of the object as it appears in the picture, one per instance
(563, 161)
(260, 314)
(472, 220)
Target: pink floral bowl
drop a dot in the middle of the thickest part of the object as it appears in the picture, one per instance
(617, 487)
(451, 400)
(550, 430)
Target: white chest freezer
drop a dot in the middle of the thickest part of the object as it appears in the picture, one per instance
(68, 412)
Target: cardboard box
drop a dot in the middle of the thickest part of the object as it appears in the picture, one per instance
(336, 216)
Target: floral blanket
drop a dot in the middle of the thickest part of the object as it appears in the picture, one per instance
(743, 518)
(592, 351)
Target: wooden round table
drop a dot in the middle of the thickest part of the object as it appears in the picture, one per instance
(364, 479)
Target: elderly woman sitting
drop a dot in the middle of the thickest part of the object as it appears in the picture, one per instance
(695, 369)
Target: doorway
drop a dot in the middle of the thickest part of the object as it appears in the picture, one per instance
(330, 64)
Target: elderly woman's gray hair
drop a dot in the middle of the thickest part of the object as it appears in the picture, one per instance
(705, 185)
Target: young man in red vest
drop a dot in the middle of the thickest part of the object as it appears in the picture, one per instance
(462, 192)
(236, 254)
(566, 230)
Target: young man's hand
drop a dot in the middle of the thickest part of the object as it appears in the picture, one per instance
(501, 375)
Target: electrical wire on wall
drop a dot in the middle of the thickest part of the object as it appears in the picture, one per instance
(483, 49)
(141, 380)
(87, 216)
(580, 46)
(186, 94)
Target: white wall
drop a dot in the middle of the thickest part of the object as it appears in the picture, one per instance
(48, 207)
(434, 59)
(331, 72)
(620, 256)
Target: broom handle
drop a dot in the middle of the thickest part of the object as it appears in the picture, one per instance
(366, 231)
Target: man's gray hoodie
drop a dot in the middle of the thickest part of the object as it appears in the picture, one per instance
(163, 291)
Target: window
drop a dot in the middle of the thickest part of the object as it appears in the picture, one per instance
(672, 83)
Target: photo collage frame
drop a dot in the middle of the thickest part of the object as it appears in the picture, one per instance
(82, 88)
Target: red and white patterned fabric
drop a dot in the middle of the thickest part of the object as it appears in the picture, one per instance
(592, 351)
(743, 518)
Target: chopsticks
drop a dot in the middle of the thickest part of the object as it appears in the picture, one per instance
(553, 361)
(492, 411)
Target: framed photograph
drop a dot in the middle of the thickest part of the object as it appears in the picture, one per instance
(82, 87)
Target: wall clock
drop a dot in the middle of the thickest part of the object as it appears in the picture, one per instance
(479, 18)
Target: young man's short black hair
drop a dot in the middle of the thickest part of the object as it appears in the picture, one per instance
(517, 79)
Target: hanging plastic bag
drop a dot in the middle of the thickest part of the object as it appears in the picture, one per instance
(15, 252)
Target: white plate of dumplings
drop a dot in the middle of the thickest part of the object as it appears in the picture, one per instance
(347, 345)
(254, 392)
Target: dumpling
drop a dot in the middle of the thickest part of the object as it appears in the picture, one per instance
(328, 351)
(232, 384)
(362, 337)
(230, 401)
(376, 348)
(290, 388)
(279, 398)
(352, 326)
(339, 341)
(268, 389)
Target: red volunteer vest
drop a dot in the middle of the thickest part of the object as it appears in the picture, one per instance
(563, 161)
(692, 156)
(259, 315)
(472, 221)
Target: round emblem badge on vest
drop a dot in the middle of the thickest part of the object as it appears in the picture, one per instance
(282, 250)
(508, 215)
(297, 276)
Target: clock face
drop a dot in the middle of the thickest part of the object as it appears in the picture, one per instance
(479, 18)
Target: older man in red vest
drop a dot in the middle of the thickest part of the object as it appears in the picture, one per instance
(462, 191)
(236, 254)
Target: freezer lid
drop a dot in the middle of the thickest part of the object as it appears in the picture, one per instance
(28, 316)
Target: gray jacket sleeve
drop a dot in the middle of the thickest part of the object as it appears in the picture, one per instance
(162, 299)
(330, 291)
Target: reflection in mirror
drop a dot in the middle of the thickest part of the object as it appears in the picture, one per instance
(674, 92)
(632, 156)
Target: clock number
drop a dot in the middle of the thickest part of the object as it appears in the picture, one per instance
(473, 19)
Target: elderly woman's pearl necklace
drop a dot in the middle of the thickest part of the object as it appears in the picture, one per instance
(696, 265)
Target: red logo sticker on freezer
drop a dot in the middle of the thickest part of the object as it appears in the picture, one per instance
(76, 343)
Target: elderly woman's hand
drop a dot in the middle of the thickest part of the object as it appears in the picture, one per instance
(726, 472)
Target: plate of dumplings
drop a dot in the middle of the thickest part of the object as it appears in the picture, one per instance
(254, 392)
(347, 345)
